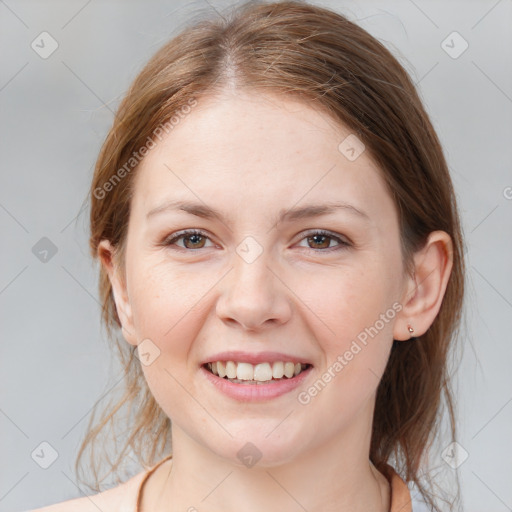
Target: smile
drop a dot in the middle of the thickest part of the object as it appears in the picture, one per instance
(261, 373)
(249, 388)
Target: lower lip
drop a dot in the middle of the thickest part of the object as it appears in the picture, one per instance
(255, 392)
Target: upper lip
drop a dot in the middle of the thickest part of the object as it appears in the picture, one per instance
(254, 358)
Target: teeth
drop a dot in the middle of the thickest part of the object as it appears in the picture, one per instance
(244, 371)
(261, 372)
(289, 370)
(231, 370)
(278, 370)
(221, 369)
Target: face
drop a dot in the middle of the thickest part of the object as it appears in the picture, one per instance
(320, 288)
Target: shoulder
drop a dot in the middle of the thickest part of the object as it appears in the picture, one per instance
(121, 498)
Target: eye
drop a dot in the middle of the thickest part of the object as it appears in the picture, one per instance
(322, 239)
(193, 239)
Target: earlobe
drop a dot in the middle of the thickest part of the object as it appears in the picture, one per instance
(426, 287)
(106, 253)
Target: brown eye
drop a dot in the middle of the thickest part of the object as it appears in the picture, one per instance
(192, 239)
(321, 240)
(317, 240)
(195, 241)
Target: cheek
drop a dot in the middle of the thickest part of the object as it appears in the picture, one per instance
(166, 305)
(348, 299)
(355, 308)
(164, 300)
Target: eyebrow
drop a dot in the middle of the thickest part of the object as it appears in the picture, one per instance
(303, 212)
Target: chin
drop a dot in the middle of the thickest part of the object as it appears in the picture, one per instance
(254, 449)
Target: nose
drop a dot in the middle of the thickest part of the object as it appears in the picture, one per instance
(253, 296)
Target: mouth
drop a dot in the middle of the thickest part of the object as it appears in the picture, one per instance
(257, 374)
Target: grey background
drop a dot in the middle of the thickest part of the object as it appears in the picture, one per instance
(55, 112)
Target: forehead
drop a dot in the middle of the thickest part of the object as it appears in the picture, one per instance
(240, 150)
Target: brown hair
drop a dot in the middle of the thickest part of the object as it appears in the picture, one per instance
(322, 58)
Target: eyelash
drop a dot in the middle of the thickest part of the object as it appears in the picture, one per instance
(190, 232)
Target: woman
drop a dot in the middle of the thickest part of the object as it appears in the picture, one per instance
(281, 248)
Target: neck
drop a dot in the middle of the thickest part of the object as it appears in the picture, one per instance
(335, 476)
(307, 483)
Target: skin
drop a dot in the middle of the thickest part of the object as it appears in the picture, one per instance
(250, 156)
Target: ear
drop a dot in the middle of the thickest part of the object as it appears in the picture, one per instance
(106, 255)
(424, 290)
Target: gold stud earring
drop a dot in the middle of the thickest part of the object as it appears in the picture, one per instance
(411, 330)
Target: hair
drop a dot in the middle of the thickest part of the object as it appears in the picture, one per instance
(319, 57)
